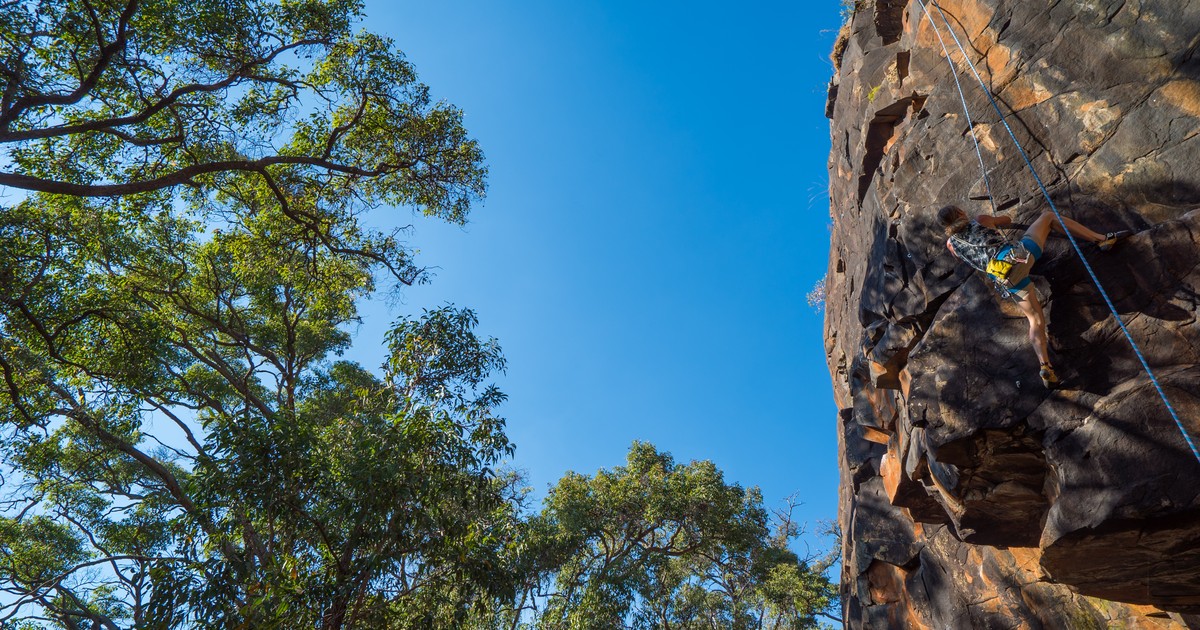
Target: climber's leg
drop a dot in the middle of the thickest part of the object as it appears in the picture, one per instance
(1031, 307)
(1040, 229)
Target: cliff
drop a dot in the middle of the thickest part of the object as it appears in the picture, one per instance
(972, 497)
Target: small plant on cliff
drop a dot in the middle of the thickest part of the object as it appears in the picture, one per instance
(816, 297)
(873, 93)
(849, 7)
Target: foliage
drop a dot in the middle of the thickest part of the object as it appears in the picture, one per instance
(179, 445)
(105, 98)
(269, 513)
(873, 93)
(848, 9)
(816, 297)
(656, 544)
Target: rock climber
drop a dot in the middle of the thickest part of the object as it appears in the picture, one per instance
(980, 244)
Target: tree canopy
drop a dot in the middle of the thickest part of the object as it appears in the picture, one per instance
(182, 444)
(657, 544)
(105, 98)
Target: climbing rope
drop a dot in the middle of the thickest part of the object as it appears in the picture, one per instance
(967, 112)
(1045, 193)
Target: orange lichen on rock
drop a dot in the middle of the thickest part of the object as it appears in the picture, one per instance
(887, 582)
(1182, 94)
(1024, 92)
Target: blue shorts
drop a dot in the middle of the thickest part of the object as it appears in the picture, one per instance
(1019, 276)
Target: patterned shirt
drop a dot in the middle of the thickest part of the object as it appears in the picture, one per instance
(976, 245)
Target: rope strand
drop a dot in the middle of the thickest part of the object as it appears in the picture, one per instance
(1045, 193)
(967, 112)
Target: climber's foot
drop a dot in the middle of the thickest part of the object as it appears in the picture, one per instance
(1111, 239)
(1049, 378)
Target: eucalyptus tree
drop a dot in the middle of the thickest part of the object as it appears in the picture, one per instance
(182, 252)
(658, 544)
(103, 98)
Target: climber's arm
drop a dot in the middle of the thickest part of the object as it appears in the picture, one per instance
(993, 221)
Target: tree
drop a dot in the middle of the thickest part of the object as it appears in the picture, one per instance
(179, 445)
(108, 98)
(306, 492)
(656, 544)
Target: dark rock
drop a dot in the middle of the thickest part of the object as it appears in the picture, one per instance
(971, 496)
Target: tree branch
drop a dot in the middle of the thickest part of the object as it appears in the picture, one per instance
(107, 124)
(187, 174)
(107, 53)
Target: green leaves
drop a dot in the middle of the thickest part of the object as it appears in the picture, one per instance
(106, 99)
(654, 544)
(180, 446)
(439, 360)
(187, 264)
(37, 552)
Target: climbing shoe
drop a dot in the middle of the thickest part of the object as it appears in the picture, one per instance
(1049, 378)
(1111, 239)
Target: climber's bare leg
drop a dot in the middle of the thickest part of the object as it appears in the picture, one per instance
(1031, 307)
(1040, 229)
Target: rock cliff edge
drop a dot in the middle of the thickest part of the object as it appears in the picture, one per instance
(972, 497)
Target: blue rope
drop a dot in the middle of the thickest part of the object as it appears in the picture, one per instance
(967, 112)
(1096, 280)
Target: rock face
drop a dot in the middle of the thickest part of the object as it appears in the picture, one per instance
(971, 496)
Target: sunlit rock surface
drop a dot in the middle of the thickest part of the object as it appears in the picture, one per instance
(972, 497)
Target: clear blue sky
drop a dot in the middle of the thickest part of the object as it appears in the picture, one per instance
(657, 213)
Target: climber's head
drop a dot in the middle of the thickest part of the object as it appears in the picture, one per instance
(952, 218)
